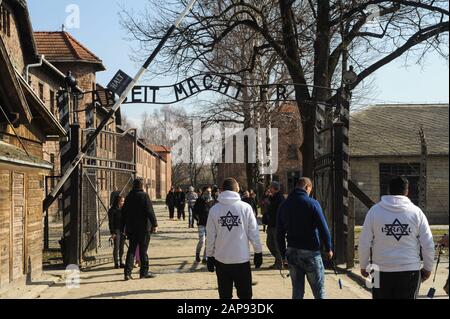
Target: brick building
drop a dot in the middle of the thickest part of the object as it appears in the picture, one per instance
(385, 142)
(25, 125)
(287, 120)
(153, 163)
(163, 169)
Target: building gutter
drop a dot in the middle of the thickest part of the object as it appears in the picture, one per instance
(35, 65)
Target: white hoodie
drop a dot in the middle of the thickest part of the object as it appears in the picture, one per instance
(231, 226)
(396, 230)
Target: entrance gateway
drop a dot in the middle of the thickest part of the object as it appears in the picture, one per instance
(92, 245)
(123, 85)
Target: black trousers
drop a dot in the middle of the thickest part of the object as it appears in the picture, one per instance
(181, 212)
(118, 249)
(171, 212)
(143, 240)
(398, 285)
(238, 274)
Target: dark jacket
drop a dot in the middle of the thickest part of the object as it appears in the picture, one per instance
(115, 221)
(252, 202)
(272, 209)
(301, 218)
(138, 214)
(180, 199)
(201, 210)
(170, 199)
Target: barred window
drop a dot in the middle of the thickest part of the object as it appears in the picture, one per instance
(411, 171)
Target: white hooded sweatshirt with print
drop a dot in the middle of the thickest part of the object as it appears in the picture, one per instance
(397, 231)
(231, 227)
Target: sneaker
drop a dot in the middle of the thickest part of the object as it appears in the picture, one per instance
(148, 276)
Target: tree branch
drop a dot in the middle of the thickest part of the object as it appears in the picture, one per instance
(419, 37)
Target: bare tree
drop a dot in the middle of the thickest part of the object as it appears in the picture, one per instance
(125, 123)
(314, 39)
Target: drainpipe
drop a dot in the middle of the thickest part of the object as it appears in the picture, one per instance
(29, 66)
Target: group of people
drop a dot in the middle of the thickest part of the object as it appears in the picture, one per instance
(396, 237)
(178, 199)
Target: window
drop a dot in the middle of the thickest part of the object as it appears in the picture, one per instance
(5, 21)
(41, 92)
(410, 171)
(293, 152)
(52, 102)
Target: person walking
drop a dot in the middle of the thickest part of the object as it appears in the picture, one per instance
(254, 197)
(170, 203)
(139, 223)
(276, 199)
(251, 201)
(230, 227)
(396, 233)
(215, 193)
(264, 204)
(180, 203)
(444, 243)
(301, 221)
(191, 198)
(201, 213)
(115, 222)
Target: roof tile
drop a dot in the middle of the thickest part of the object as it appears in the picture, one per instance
(62, 47)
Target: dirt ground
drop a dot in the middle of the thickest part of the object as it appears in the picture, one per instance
(172, 253)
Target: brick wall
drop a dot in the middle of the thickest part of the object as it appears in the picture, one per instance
(365, 172)
(86, 78)
(12, 42)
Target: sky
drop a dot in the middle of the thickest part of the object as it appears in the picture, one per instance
(101, 32)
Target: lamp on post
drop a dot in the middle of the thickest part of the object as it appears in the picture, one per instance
(71, 84)
(349, 77)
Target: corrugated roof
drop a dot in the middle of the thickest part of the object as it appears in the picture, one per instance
(393, 130)
(60, 46)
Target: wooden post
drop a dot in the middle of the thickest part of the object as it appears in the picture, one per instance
(423, 171)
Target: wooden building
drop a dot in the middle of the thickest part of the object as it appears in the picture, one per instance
(25, 125)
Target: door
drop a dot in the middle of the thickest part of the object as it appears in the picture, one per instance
(18, 218)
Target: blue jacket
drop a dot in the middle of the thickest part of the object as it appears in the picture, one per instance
(302, 221)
